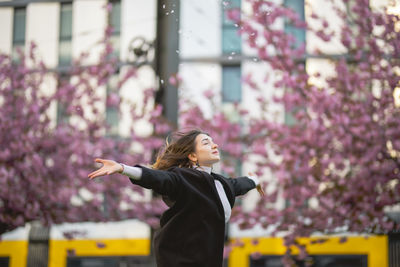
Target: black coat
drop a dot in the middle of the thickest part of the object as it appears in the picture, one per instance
(192, 229)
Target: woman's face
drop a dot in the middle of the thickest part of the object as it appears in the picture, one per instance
(206, 151)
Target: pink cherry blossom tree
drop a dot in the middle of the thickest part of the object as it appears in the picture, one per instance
(44, 165)
(337, 163)
(336, 166)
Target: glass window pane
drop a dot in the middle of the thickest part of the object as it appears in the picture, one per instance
(115, 40)
(115, 19)
(112, 112)
(227, 21)
(19, 25)
(66, 21)
(289, 118)
(64, 53)
(4, 261)
(93, 262)
(231, 84)
(15, 48)
(62, 116)
(296, 5)
(231, 40)
(317, 261)
(65, 45)
(108, 261)
(112, 118)
(232, 3)
(226, 6)
(299, 34)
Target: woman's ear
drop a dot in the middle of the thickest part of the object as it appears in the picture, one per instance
(192, 157)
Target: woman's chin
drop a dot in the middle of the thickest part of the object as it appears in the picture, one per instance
(212, 161)
(216, 160)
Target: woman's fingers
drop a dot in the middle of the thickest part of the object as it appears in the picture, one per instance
(260, 190)
(102, 171)
(106, 169)
(96, 174)
(109, 167)
(93, 173)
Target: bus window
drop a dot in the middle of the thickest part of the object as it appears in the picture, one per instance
(314, 261)
(4, 261)
(133, 261)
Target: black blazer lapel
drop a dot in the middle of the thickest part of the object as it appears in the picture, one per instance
(210, 180)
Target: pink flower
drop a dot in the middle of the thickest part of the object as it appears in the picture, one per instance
(209, 93)
(175, 80)
(113, 100)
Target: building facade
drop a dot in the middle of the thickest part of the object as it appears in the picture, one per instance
(212, 57)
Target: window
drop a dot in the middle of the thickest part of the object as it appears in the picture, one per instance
(231, 72)
(299, 34)
(394, 246)
(65, 45)
(231, 84)
(112, 111)
(18, 32)
(4, 261)
(231, 40)
(231, 45)
(64, 55)
(115, 23)
(112, 261)
(314, 261)
(62, 115)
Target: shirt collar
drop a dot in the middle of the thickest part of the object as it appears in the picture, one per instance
(203, 168)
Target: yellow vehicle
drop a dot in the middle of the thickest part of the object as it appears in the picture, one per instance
(127, 244)
(357, 251)
(14, 247)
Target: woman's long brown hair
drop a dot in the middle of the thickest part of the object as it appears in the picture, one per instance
(176, 151)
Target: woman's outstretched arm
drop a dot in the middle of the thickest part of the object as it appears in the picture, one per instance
(111, 166)
(243, 184)
(163, 182)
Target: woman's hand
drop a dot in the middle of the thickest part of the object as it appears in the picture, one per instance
(109, 167)
(260, 190)
(258, 187)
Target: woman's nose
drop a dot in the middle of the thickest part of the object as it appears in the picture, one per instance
(215, 145)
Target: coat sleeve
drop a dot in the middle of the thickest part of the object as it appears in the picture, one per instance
(242, 185)
(163, 182)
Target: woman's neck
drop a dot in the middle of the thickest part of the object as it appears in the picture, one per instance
(204, 168)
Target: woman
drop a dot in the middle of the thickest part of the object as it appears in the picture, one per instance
(192, 229)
